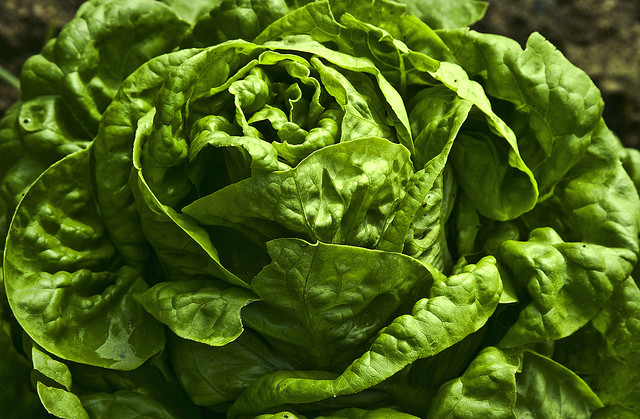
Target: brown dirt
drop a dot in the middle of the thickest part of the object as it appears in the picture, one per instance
(600, 36)
(25, 26)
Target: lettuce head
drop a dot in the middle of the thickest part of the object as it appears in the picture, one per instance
(328, 209)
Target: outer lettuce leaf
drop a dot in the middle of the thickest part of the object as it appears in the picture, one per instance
(457, 306)
(541, 377)
(56, 395)
(197, 310)
(449, 14)
(61, 403)
(321, 304)
(555, 108)
(66, 88)
(216, 376)
(555, 111)
(515, 384)
(17, 398)
(113, 153)
(126, 404)
(487, 387)
(600, 257)
(606, 352)
(64, 280)
(69, 390)
(413, 389)
(560, 278)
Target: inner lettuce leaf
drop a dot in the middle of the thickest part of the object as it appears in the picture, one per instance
(491, 149)
(327, 209)
(344, 194)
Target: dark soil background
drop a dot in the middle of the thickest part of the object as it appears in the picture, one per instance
(25, 26)
(600, 36)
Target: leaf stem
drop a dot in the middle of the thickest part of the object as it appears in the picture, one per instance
(9, 77)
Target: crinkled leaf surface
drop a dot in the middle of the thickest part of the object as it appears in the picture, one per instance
(63, 279)
(321, 303)
(487, 387)
(568, 284)
(332, 167)
(67, 87)
(113, 151)
(563, 274)
(556, 107)
(180, 244)
(456, 307)
(344, 193)
(198, 310)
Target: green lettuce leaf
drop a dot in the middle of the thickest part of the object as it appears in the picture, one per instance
(197, 310)
(113, 154)
(67, 87)
(514, 384)
(64, 280)
(487, 387)
(344, 193)
(447, 15)
(605, 352)
(337, 208)
(555, 108)
(57, 397)
(456, 307)
(542, 377)
(321, 303)
(216, 376)
(17, 398)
